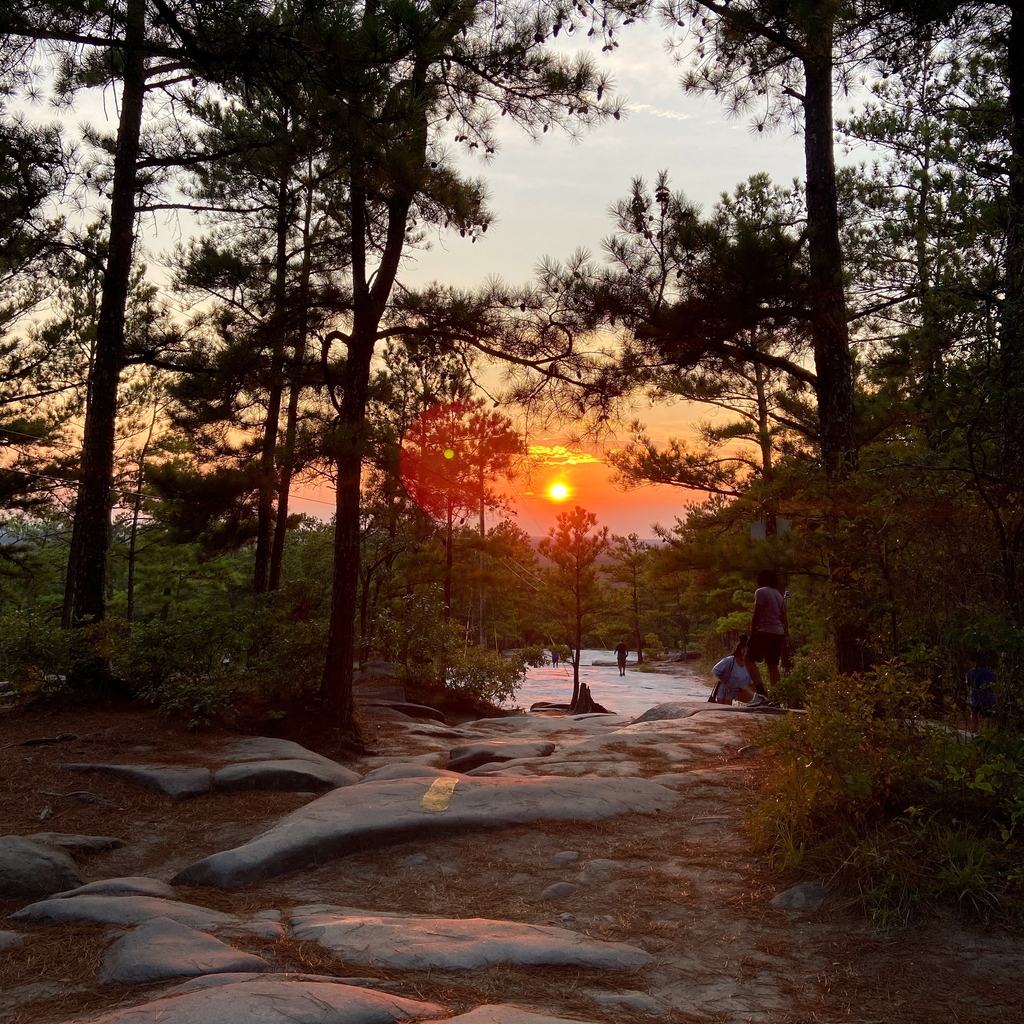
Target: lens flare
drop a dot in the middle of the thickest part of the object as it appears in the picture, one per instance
(558, 492)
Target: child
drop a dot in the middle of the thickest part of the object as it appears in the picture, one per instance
(734, 682)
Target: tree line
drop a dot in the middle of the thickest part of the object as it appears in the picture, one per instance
(864, 325)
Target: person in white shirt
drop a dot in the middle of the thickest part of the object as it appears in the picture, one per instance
(768, 629)
(733, 682)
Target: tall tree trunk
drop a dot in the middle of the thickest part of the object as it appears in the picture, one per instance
(271, 425)
(292, 417)
(830, 335)
(140, 479)
(90, 538)
(483, 567)
(764, 440)
(448, 566)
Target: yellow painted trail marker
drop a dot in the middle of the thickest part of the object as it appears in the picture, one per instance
(439, 796)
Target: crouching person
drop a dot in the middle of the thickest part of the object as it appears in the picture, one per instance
(733, 681)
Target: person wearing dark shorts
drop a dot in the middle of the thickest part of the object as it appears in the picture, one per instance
(620, 658)
(767, 630)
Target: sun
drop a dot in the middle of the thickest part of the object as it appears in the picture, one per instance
(558, 492)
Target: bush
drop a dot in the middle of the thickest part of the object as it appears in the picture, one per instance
(900, 809)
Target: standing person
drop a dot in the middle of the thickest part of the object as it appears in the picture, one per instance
(768, 628)
(980, 695)
(620, 657)
(554, 658)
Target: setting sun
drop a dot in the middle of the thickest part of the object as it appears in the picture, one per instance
(558, 492)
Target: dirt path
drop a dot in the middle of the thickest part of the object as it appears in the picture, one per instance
(683, 886)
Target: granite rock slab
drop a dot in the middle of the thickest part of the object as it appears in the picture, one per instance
(424, 943)
(473, 755)
(807, 896)
(409, 710)
(174, 781)
(384, 812)
(8, 940)
(134, 885)
(275, 999)
(29, 869)
(668, 711)
(291, 775)
(123, 910)
(503, 1013)
(407, 770)
(76, 843)
(163, 949)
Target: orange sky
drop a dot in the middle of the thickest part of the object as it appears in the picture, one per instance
(587, 479)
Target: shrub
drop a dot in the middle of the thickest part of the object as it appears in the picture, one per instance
(901, 810)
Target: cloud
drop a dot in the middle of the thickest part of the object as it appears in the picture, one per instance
(559, 455)
(646, 108)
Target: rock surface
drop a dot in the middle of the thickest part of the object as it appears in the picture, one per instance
(423, 943)
(291, 775)
(473, 755)
(29, 869)
(135, 885)
(384, 812)
(808, 896)
(124, 910)
(78, 844)
(275, 999)
(172, 780)
(668, 711)
(163, 949)
(8, 940)
(506, 1014)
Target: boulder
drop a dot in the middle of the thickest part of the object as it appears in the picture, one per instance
(407, 771)
(807, 896)
(473, 755)
(385, 812)
(162, 949)
(273, 999)
(122, 910)
(77, 843)
(558, 891)
(134, 885)
(174, 781)
(423, 943)
(29, 869)
(668, 711)
(410, 710)
(291, 775)
(502, 1013)
(8, 940)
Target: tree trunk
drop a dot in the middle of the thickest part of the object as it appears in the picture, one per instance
(483, 568)
(448, 566)
(833, 361)
(87, 566)
(271, 425)
(292, 417)
(136, 510)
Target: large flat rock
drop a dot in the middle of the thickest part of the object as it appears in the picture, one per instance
(163, 949)
(275, 999)
(174, 781)
(503, 1013)
(473, 755)
(291, 775)
(422, 943)
(29, 869)
(123, 910)
(397, 810)
(133, 885)
(76, 843)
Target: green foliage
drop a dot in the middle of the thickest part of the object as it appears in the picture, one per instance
(902, 809)
(32, 647)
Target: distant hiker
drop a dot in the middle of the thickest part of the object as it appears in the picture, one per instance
(981, 698)
(620, 658)
(554, 658)
(732, 680)
(768, 629)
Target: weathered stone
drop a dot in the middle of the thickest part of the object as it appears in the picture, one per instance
(29, 869)
(558, 891)
(124, 910)
(808, 896)
(668, 711)
(384, 812)
(504, 1014)
(473, 755)
(291, 775)
(407, 770)
(8, 940)
(407, 709)
(421, 943)
(566, 857)
(135, 885)
(273, 999)
(174, 781)
(634, 1000)
(77, 843)
(162, 949)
